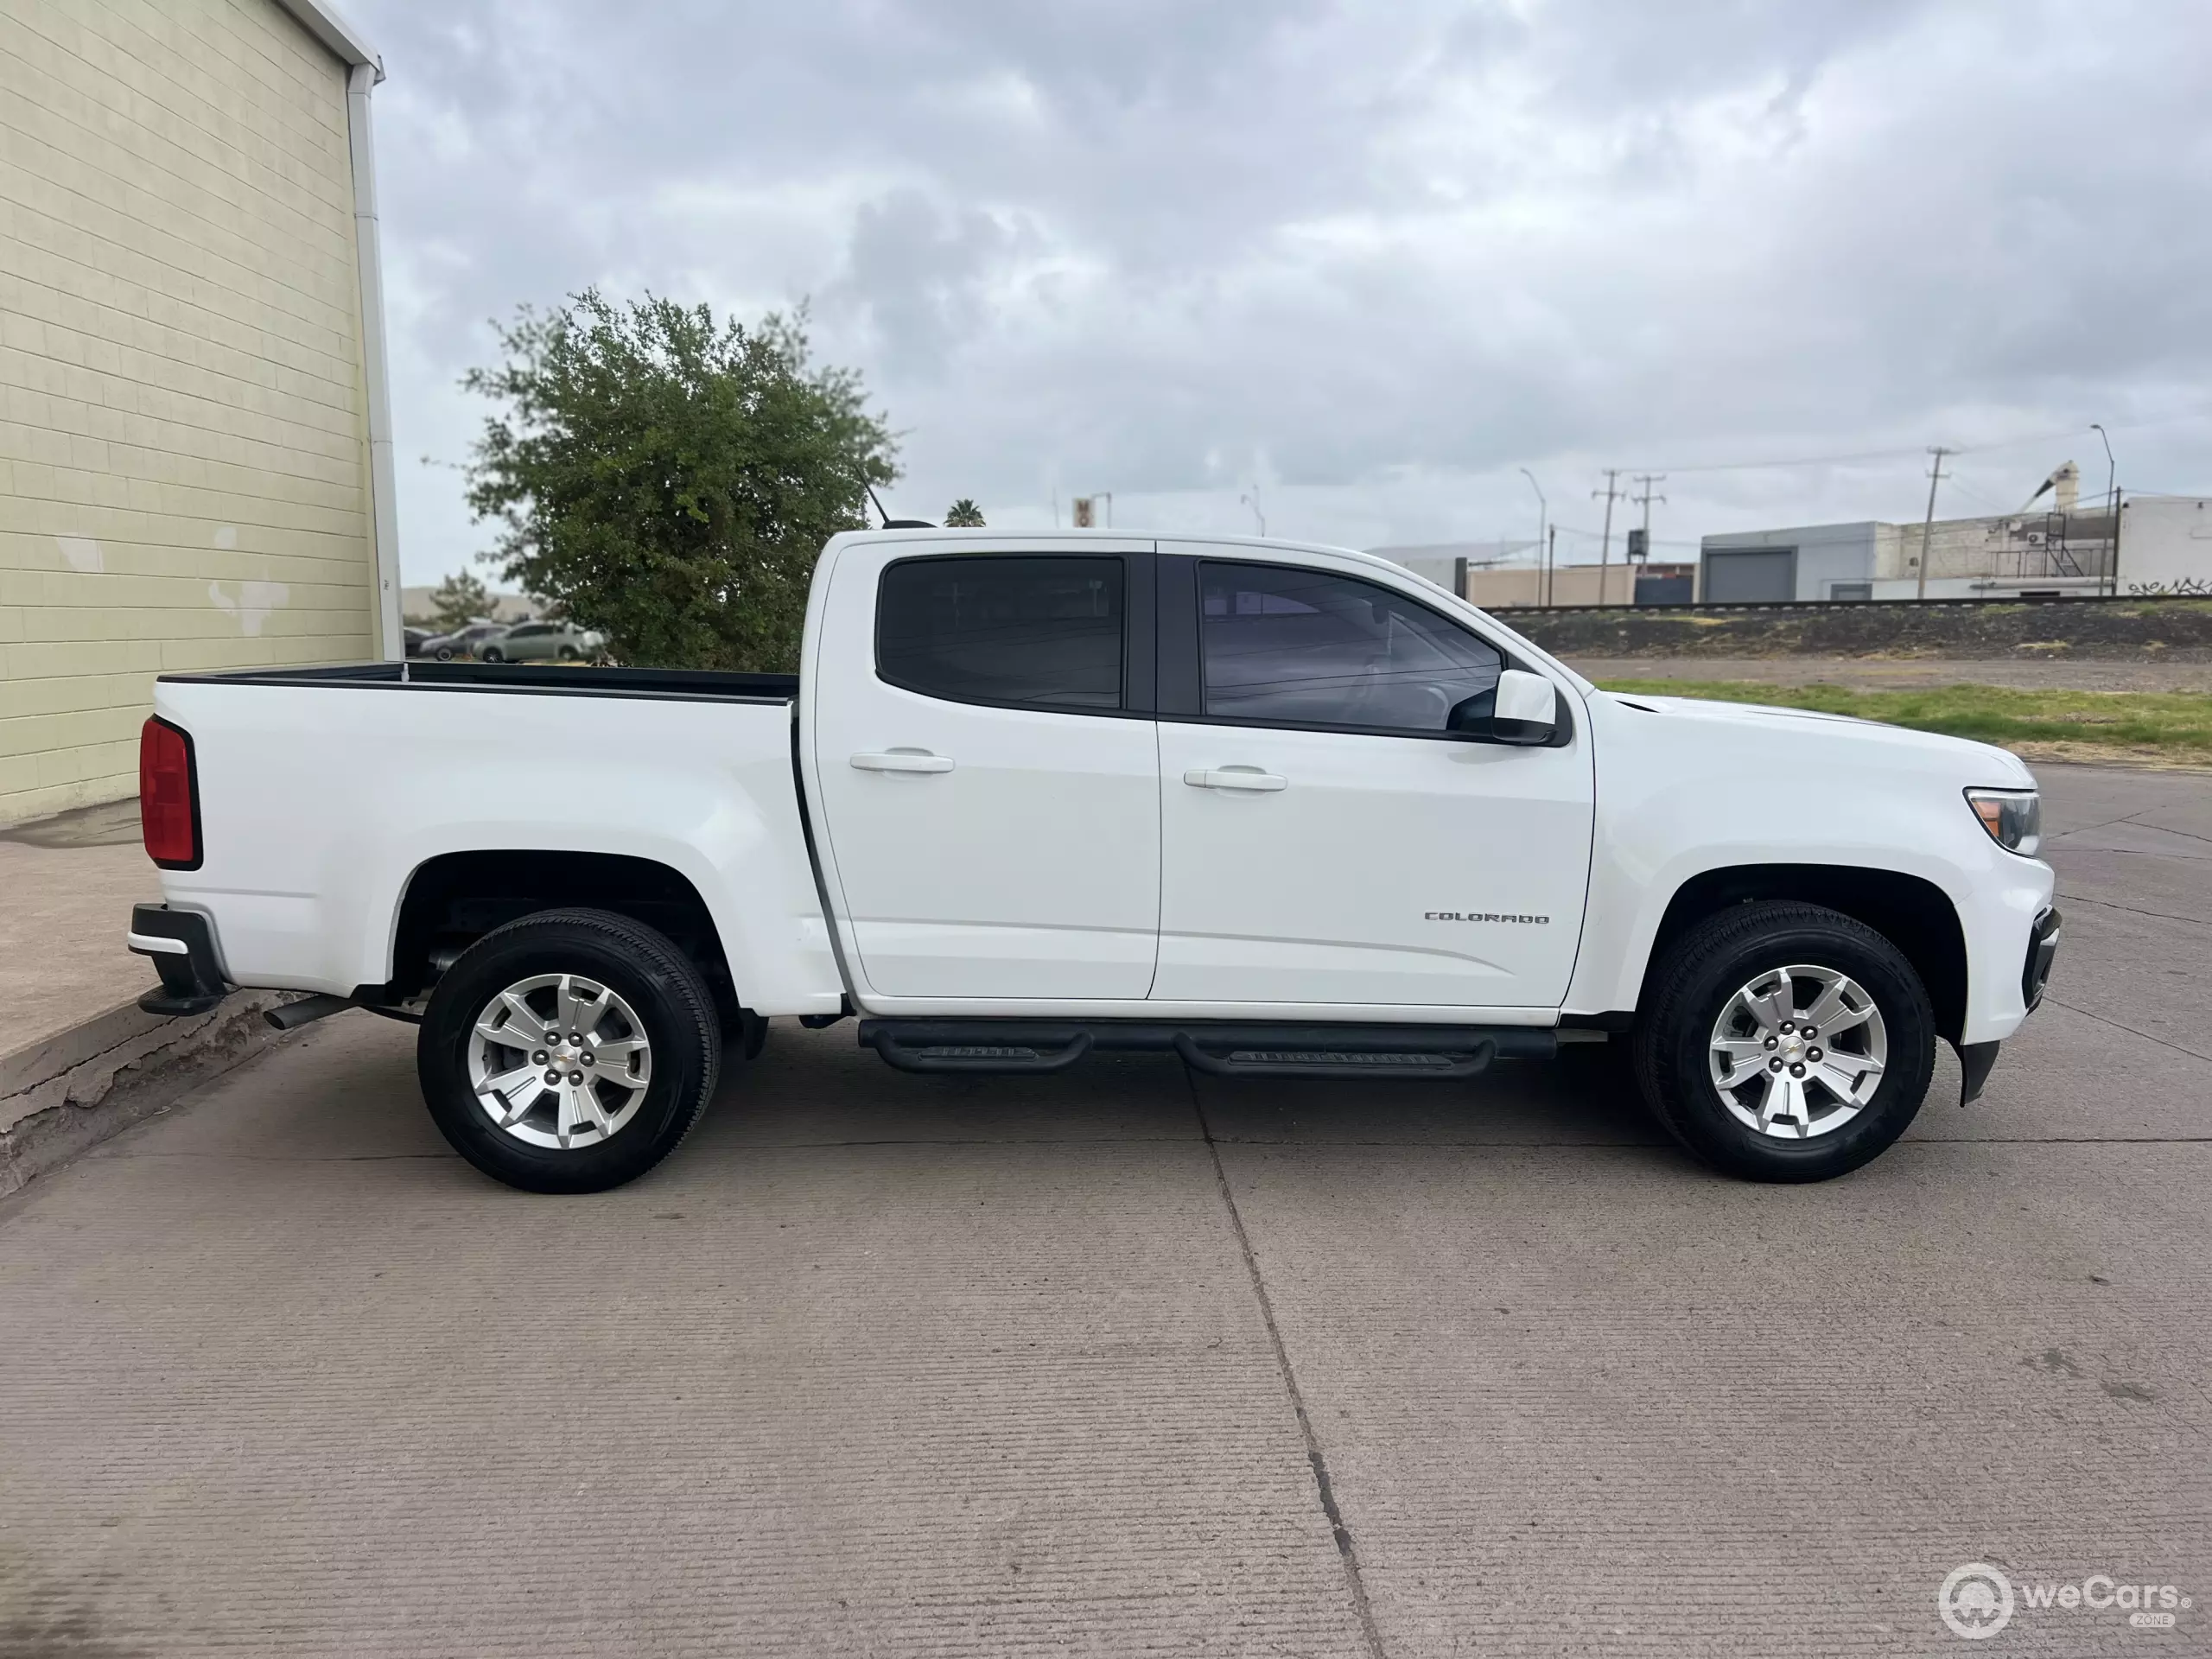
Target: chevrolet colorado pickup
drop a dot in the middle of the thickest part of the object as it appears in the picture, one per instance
(1275, 808)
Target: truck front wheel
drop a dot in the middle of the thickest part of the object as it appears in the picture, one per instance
(568, 1052)
(1784, 1042)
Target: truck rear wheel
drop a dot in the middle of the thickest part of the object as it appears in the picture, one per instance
(568, 1052)
(1785, 1042)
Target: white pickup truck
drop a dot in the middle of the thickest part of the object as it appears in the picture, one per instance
(1280, 809)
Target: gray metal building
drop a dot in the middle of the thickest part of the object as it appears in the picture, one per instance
(1806, 561)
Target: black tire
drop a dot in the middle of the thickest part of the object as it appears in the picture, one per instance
(1695, 980)
(491, 654)
(444, 653)
(568, 653)
(671, 1002)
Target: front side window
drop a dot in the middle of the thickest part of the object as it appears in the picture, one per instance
(1307, 648)
(1033, 632)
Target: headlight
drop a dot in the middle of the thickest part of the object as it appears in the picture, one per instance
(2013, 816)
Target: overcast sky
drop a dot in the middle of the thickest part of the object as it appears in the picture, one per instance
(1370, 258)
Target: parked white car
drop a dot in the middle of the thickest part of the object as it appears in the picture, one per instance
(1280, 809)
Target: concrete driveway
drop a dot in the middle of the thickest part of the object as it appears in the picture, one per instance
(1125, 1361)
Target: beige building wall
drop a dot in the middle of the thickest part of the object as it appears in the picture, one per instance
(1514, 586)
(184, 462)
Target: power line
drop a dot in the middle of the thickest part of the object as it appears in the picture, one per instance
(1799, 461)
(1657, 541)
(2181, 419)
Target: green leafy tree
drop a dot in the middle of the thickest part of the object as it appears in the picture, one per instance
(669, 479)
(964, 514)
(459, 601)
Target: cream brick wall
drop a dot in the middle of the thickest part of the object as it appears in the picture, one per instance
(183, 424)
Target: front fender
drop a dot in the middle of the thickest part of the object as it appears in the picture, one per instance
(1682, 797)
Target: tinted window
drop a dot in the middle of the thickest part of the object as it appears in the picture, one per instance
(1312, 649)
(1039, 633)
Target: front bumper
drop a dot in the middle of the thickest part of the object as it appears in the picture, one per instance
(2043, 948)
(1976, 1059)
(182, 948)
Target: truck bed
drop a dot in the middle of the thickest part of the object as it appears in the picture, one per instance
(323, 800)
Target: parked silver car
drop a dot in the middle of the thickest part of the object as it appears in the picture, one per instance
(462, 642)
(538, 642)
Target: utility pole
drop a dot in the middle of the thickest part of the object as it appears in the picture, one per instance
(1253, 502)
(1648, 479)
(1543, 512)
(1551, 553)
(1606, 541)
(1935, 475)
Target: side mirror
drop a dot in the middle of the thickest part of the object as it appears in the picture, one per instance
(1521, 709)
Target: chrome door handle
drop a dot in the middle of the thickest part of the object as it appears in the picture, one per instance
(1234, 777)
(904, 761)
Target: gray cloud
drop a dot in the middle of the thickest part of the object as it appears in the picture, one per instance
(1376, 257)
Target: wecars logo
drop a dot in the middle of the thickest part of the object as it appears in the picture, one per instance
(1978, 1600)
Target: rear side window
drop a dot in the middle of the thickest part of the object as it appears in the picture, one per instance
(1038, 632)
(1306, 648)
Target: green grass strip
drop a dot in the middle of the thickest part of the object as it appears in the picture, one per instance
(2177, 720)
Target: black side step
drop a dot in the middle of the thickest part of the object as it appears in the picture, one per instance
(1054, 1050)
(1218, 1048)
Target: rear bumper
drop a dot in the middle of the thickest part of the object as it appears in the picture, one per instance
(181, 947)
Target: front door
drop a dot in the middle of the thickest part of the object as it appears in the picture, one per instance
(1324, 841)
(989, 780)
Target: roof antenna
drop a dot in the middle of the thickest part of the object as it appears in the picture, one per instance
(889, 523)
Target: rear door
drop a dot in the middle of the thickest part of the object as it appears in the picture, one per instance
(989, 775)
(1325, 841)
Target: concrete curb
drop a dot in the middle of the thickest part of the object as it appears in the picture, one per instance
(71, 1091)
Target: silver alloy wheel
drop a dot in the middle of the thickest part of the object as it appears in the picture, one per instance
(559, 1060)
(1798, 1053)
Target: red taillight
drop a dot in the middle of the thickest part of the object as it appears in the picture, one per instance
(168, 797)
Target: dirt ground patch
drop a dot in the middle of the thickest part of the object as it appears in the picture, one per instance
(2097, 630)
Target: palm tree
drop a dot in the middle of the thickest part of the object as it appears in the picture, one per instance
(964, 514)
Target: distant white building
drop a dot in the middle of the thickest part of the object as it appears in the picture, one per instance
(2048, 547)
(2165, 544)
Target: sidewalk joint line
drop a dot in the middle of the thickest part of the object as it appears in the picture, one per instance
(2107, 904)
(2101, 1019)
(2163, 829)
(1347, 1552)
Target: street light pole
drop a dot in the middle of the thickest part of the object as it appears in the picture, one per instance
(2112, 507)
(1543, 514)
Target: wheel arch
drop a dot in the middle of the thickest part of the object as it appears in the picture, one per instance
(453, 899)
(1909, 911)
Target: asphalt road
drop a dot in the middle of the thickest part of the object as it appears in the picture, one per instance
(1122, 1362)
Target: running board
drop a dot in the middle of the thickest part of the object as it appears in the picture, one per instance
(1027, 1047)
